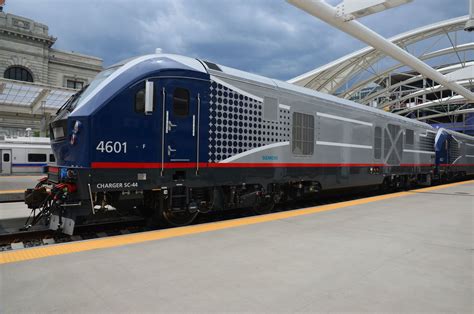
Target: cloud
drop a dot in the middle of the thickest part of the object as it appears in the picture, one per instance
(268, 37)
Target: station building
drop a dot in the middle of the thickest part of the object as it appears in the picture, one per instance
(35, 78)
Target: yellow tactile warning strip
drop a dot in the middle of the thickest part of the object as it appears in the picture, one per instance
(88, 245)
(11, 191)
(39, 175)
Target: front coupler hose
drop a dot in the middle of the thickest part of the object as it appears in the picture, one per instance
(43, 202)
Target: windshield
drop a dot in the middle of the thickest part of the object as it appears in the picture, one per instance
(93, 85)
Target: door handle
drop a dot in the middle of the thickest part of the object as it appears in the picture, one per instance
(171, 125)
(170, 150)
(168, 123)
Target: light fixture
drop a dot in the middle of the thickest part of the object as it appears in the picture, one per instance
(354, 9)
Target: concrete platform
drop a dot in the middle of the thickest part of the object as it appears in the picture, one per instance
(407, 252)
(12, 215)
(12, 188)
(12, 210)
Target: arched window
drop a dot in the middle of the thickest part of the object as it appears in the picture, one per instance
(18, 73)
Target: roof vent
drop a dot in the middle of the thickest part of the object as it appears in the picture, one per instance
(212, 66)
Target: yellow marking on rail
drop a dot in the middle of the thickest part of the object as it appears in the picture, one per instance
(11, 191)
(115, 241)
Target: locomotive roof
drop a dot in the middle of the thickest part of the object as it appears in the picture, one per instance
(127, 71)
(225, 71)
(460, 135)
(187, 63)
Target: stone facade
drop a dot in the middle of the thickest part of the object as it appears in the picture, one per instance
(27, 44)
(63, 66)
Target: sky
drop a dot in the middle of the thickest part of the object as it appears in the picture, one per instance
(267, 37)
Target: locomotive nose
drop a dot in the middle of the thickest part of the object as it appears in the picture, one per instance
(67, 141)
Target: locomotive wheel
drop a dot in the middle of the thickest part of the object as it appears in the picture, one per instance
(385, 186)
(178, 219)
(264, 206)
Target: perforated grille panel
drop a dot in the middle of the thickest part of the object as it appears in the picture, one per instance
(378, 142)
(453, 151)
(386, 143)
(237, 124)
(470, 148)
(427, 143)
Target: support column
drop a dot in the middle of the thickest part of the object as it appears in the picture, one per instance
(44, 125)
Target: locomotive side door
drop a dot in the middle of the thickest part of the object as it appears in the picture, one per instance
(181, 101)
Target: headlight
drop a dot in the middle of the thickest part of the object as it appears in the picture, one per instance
(75, 131)
(73, 139)
(77, 127)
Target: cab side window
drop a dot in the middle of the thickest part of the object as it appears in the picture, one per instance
(140, 101)
(181, 102)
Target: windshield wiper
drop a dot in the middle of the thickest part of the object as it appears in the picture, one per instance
(68, 104)
(65, 104)
(73, 103)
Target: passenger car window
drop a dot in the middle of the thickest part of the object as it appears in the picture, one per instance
(6, 157)
(303, 134)
(181, 102)
(36, 157)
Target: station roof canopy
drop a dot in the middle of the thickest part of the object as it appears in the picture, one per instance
(32, 98)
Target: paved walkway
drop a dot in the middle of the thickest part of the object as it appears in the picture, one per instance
(409, 253)
(12, 188)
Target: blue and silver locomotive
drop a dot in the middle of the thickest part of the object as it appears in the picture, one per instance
(172, 137)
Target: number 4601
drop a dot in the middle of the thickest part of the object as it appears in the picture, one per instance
(112, 147)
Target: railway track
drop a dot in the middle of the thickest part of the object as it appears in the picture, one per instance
(40, 237)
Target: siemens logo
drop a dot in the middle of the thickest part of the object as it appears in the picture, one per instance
(269, 158)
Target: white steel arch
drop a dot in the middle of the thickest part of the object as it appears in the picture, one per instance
(370, 55)
(357, 76)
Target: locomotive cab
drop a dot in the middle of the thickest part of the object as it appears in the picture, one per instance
(142, 118)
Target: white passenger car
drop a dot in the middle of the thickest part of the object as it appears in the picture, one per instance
(25, 155)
